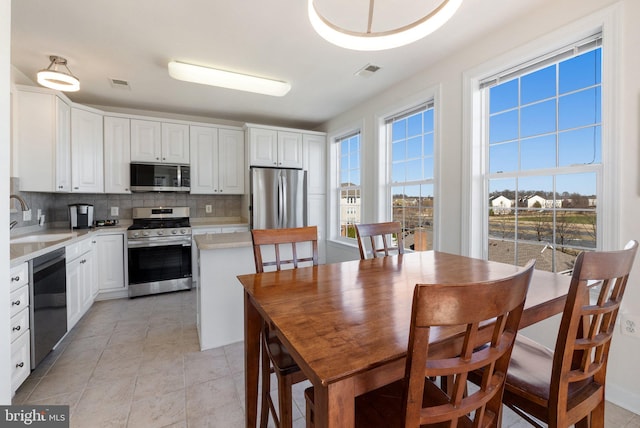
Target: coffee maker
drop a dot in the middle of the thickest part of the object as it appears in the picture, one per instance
(81, 216)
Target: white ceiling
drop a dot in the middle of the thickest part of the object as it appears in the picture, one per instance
(134, 40)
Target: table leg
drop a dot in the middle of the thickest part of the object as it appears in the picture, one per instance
(335, 405)
(252, 323)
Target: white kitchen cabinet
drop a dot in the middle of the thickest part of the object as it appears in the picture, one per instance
(315, 162)
(87, 156)
(203, 231)
(218, 162)
(42, 123)
(110, 254)
(117, 154)
(80, 280)
(274, 148)
(19, 325)
(159, 142)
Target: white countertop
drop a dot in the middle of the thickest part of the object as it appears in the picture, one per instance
(217, 241)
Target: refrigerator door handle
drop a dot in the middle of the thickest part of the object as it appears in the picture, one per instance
(280, 201)
(285, 191)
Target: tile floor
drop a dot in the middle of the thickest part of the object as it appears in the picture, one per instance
(136, 363)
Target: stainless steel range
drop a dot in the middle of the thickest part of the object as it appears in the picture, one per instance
(159, 248)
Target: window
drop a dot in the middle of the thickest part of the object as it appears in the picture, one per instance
(411, 139)
(543, 151)
(349, 190)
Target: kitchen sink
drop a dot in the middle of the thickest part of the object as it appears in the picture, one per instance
(42, 237)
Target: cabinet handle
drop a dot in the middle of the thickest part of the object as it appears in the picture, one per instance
(15, 278)
(16, 303)
(16, 328)
(93, 242)
(76, 188)
(20, 365)
(157, 158)
(59, 187)
(164, 158)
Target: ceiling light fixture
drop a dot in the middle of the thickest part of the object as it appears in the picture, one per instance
(227, 79)
(58, 79)
(371, 40)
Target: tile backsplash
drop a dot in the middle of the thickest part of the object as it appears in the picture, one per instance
(55, 205)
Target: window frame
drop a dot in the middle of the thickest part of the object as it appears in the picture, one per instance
(475, 163)
(334, 176)
(384, 206)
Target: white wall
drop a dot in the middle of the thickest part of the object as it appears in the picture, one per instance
(624, 375)
(5, 66)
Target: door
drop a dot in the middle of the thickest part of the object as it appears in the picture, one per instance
(265, 201)
(117, 155)
(175, 143)
(87, 170)
(293, 195)
(145, 141)
(231, 161)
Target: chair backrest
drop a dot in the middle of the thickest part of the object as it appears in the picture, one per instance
(586, 329)
(290, 239)
(468, 306)
(379, 233)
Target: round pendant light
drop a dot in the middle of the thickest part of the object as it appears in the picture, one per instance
(52, 77)
(353, 26)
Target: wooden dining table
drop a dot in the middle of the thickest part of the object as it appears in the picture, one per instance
(347, 324)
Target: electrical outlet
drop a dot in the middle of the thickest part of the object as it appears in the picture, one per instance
(114, 211)
(630, 325)
(208, 209)
(26, 215)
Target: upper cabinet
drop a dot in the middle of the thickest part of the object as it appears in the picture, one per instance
(42, 123)
(159, 142)
(117, 154)
(87, 157)
(59, 146)
(217, 160)
(274, 148)
(315, 162)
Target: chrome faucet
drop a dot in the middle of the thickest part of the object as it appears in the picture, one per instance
(12, 224)
(23, 204)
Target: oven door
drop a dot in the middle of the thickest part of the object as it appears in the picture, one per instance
(159, 265)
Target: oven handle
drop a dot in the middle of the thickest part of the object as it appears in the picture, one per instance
(157, 243)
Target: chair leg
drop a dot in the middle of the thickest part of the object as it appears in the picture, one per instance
(285, 401)
(266, 387)
(597, 416)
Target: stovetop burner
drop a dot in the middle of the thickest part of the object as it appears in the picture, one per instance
(160, 222)
(141, 224)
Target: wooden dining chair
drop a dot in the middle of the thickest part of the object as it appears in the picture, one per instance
(275, 249)
(417, 400)
(379, 233)
(567, 386)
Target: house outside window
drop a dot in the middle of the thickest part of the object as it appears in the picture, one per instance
(349, 191)
(411, 139)
(543, 151)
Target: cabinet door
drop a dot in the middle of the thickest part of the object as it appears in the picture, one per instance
(63, 146)
(315, 155)
(263, 147)
(175, 143)
(317, 212)
(87, 169)
(34, 118)
(74, 278)
(20, 360)
(110, 257)
(145, 141)
(117, 155)
(231, 161)
(204, 156)
(289, 149)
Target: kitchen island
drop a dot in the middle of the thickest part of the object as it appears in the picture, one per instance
(219, 306)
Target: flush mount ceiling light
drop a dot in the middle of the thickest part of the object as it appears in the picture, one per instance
(355, 25)
(227, 79)
(53, 78)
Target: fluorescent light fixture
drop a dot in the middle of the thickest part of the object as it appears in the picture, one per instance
(57, 79)
(376, 41)
(227, 79)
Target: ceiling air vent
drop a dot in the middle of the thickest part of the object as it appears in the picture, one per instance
(120, 84)
(367, 70)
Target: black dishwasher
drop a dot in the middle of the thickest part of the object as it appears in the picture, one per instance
(48, 304)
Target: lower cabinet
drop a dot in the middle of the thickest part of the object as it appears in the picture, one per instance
(19, 325)
(110, 255)
(81, 280)
(202, 231)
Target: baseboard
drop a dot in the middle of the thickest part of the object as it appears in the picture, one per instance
(623, 398)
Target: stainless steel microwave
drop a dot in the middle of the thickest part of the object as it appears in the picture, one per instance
(160, 178)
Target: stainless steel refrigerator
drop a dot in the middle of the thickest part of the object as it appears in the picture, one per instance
(278, 198)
